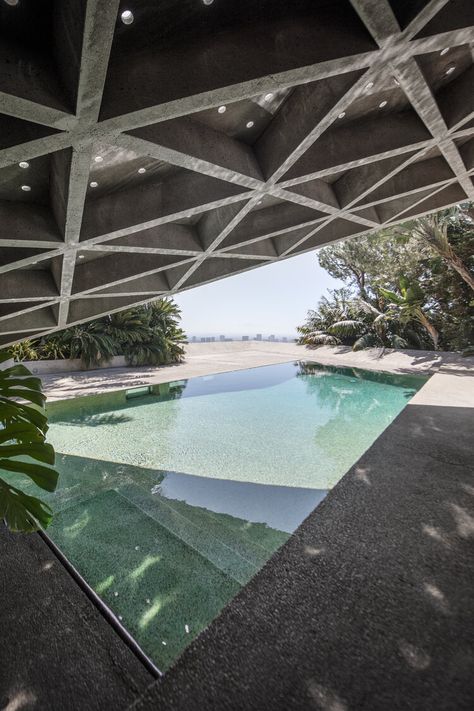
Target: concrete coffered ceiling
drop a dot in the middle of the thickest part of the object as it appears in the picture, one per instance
(148, 147)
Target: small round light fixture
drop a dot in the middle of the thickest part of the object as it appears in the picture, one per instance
(93, 184)
(207, 2)
(250, 124)
(444, 51)
(81, 256)
(222, 109)
(24, 164)
(12, 3)
(450, 70)
(341, 115)
(142, 170)
(26, 188)
(127, 17)
(268, 97)
(383, 104)
(98, 159)
(369, 86)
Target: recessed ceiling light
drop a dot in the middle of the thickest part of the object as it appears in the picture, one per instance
(81, 256)
(13, 3)
(444, 51)
(142, 170)
(259, 202)
(26, 188)
(382, 104)
(24, 164)
(250, 124)
(369, 85)
(268, 97)
(342, 114)
(222, 109)
(208, 2)
(98, 159)
(450, 70)
(396, 81)
(93, 184)
(127, 17)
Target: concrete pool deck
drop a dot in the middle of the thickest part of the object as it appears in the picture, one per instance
(210, 358)
(368, 606)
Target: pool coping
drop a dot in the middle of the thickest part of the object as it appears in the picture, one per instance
(198, 670)
(214, 358)
(212, 673)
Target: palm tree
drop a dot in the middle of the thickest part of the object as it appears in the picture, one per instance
(90, 343)
(408, 307)
(434, 231)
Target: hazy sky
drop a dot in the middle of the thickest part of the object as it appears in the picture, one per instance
(271, 299)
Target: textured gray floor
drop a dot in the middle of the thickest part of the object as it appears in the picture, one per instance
(369, 605)
(57, 652)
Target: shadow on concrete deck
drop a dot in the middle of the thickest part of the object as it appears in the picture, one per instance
(369, 605)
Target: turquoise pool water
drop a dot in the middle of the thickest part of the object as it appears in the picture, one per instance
(172, 497)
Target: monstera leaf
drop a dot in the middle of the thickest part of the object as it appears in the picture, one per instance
(23, 448)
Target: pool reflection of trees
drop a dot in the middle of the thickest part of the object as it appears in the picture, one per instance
(346, 433)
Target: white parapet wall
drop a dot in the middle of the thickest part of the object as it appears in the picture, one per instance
(44, 367)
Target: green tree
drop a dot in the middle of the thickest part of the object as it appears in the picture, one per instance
(434, 254)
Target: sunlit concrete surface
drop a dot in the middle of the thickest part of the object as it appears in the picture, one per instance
(369, 605)
(150, 147)
(209, 358)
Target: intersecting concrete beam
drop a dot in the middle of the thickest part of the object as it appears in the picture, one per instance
(442, 198)
(423, 17)
(312, 163)
(96, 45)
(264, 49)
(195, 146)
(177, 239)
(117, 269)
(415, 177)
(154, 283)
(69, 176)
(20, 140)
(308, 112)
(143, 206)
(381, 136)
(24, 225)
(333, 231)
(414, 83)
(379, 18)
(268, 222)
(456, 99)
(306, 201)
(31, 320)
(83, 310)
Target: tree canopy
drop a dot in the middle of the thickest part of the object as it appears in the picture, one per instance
(406, 286)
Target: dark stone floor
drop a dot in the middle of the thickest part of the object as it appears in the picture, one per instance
(370, 605)
(57, 651)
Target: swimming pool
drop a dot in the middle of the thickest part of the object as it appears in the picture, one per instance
(173, 496)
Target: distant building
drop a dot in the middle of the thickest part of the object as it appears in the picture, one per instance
(258, 337)
(245, 338)
(271, 338)
(222, 338)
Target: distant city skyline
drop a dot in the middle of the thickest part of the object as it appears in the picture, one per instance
(271, 300)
